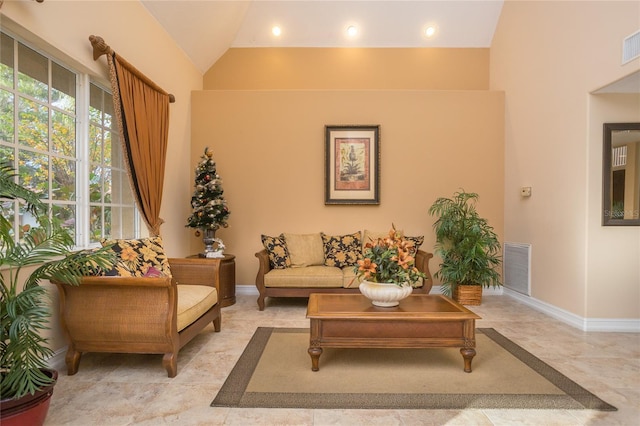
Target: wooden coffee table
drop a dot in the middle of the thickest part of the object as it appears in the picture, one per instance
(420, 321)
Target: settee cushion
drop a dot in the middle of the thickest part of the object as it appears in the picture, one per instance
(193, 301)
(342, 250)
(277, 250)
(305, 249)
(310, 276)
(136, 256)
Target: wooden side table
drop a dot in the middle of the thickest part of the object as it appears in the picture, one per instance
(227, 279)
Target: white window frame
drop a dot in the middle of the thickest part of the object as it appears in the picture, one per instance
(82, 125)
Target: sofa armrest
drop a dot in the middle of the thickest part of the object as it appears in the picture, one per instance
(116, 281)
(422, 263)
(264, 266)
(196, 271)
(101, 308)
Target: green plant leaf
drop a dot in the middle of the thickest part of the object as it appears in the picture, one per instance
(24, 311)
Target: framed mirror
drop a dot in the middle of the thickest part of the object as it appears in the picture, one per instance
(621, 174)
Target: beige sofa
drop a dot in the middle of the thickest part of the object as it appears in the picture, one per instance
(296, 265)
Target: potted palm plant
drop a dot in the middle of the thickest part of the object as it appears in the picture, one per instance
(468, 246)
(41, 253)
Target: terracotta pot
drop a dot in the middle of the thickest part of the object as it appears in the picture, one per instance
(30, 410)
(385, 295)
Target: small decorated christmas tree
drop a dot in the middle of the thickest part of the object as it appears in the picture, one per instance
(210, 210)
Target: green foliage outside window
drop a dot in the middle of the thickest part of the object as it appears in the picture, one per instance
(38, 137)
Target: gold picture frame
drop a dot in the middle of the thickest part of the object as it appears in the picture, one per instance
(352, 164)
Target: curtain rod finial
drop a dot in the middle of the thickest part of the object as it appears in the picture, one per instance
(99, 46)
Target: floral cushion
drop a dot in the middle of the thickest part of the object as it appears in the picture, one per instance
(91, 268)
(136, 257)
(342, 250)
(277, 250)
(417, 242)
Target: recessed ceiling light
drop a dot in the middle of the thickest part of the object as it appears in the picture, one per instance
(352, 31)
(430, 31)
(276, 31)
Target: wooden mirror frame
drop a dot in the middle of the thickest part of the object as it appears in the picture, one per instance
(607, 219)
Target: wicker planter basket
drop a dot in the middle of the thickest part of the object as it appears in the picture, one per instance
(468, 294)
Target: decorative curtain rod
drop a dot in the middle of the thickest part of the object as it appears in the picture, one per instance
(101, 48)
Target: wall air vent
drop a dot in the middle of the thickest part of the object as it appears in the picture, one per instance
(517, 265)
(631, 47)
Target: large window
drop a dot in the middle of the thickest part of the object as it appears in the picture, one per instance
(58, 131)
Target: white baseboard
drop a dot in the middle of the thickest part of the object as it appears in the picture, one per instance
(247, 289)
(620, 325)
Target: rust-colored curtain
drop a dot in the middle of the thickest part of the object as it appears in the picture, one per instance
(142, 110)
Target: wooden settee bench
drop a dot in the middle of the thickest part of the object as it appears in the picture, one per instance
(310, 271)
(146, 315)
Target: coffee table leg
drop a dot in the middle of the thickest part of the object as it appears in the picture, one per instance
(315, 353)
(467, 354)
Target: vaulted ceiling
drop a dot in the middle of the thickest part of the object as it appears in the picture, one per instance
(205, 29)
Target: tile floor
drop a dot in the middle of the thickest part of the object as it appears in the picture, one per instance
(117, 389)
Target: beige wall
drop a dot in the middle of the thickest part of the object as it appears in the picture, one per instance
(269, 147)
(547, 57)
(129, 29)
(350, 69)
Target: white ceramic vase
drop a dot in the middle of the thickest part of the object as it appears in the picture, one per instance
(385, 295)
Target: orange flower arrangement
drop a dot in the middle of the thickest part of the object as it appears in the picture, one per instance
(389, 260)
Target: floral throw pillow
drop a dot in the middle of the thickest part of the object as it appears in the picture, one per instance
(417, 242)
(137, 257)
(342, 250)
(277, 250)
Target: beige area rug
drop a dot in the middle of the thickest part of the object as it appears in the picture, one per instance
(274, 371)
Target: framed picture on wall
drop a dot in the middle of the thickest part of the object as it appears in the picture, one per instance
(352, 164)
